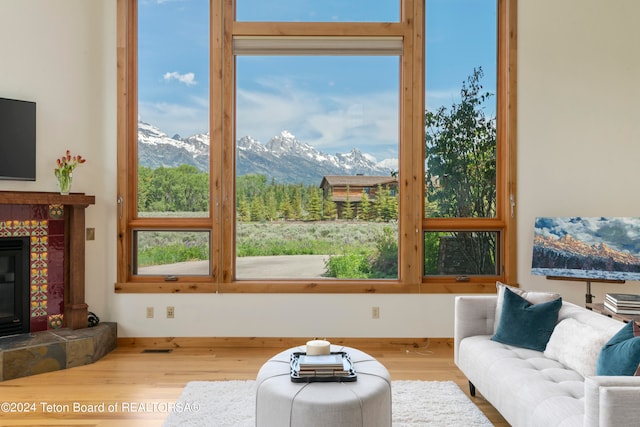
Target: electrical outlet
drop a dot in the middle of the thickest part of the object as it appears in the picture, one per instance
(375, 312)
(149, 312)
(171, 312)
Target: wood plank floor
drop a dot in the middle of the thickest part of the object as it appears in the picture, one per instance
(137, 388)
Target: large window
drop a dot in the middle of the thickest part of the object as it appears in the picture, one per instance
(468, 199)
(312, 133)
(315, 146)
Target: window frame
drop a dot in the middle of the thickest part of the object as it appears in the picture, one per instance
(221, 219)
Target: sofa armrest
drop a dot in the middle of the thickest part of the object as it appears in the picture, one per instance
(611, 401)
(474, 315)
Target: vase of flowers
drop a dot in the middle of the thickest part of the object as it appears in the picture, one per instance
(64, 170)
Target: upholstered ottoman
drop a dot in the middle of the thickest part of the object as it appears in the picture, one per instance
(365, 402)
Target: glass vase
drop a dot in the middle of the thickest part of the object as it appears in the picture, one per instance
(64, 182)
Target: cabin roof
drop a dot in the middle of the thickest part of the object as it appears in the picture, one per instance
(357, 180)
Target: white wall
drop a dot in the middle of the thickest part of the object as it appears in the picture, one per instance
(577, 85)
(61, 54)
(578, 120)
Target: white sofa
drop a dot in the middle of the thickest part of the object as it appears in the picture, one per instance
(532, 388)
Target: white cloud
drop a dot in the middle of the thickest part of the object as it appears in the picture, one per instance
(182, 119)
(330, 123)
(187, 78)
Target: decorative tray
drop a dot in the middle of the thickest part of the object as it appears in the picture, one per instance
(346, 374)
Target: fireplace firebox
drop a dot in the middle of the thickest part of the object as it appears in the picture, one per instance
(14, 285)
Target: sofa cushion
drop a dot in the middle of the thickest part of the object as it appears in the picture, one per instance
(534, 297)
(621, 355)
(524, 324)
(576, 345)
(527, 388)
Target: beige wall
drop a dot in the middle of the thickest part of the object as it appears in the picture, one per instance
(579, 122)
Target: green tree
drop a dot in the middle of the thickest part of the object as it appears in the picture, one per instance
(314, 207)
(364, 211)
(296, 203)
(386, 204)
(256, 208)
(180, 189)
(285, 208)
(460, 147)
(330, 211)
(271, 204)
(243, 210)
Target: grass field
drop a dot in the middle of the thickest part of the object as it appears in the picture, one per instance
(264, 239)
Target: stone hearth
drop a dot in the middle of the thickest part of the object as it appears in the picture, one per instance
(35, 353)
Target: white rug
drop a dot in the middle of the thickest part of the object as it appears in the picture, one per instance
(414, 403)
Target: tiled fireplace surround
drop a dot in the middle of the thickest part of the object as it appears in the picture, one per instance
(44, 226)
(58, 337)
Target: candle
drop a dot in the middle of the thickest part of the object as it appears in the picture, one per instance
(318, 347)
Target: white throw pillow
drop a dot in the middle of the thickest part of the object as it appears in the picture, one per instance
(576, 346)
(533, 297)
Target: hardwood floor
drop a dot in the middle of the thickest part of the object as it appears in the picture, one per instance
(137, 388)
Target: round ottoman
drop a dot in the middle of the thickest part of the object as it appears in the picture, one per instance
(365, 402)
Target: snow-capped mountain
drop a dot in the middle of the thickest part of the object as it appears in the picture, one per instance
(156, 149)
(283, 157)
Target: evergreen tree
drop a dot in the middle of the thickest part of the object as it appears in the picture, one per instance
(257, 209)
(314, 207)
(285, 208)
(271, 205)
(330, 209)
(296, 203)
(364, 212)
(243, 211)
(347, 210)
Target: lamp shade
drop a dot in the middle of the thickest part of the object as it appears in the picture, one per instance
(587, 247)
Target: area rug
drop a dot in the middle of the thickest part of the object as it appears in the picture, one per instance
(414, 403)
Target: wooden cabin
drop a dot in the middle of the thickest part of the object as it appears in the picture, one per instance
(353, 186)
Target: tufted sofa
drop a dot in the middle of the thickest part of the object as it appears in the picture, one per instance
(533, 388)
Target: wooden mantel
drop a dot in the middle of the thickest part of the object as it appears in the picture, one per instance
(75, 311)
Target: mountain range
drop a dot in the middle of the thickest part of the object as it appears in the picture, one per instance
(570, 253)
(283, 158)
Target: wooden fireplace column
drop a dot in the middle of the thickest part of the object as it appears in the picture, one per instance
(75, 307)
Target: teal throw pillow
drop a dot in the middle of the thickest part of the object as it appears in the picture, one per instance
(621, 355)
(526, 325)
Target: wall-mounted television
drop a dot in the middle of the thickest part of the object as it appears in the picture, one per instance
(17, 140)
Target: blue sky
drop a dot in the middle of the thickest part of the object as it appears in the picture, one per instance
(333, 103)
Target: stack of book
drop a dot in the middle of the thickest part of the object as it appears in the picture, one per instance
(623, 303)
(330, 365)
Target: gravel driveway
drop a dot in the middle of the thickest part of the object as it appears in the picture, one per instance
(253, 267)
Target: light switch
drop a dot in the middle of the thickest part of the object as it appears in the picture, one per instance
(91, 234)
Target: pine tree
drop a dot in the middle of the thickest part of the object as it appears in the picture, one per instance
(285, 208)
(296, 203)
(364, 212)
(347, 211)
(314, 207)
(257, 210)
(330, 209)
(243, 213)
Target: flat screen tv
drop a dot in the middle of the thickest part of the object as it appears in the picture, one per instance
(17, 140)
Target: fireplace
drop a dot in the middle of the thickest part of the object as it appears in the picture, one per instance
(43, 315)
(54, 226)
(14, 286)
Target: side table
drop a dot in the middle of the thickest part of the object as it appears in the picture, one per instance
(600, 308)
